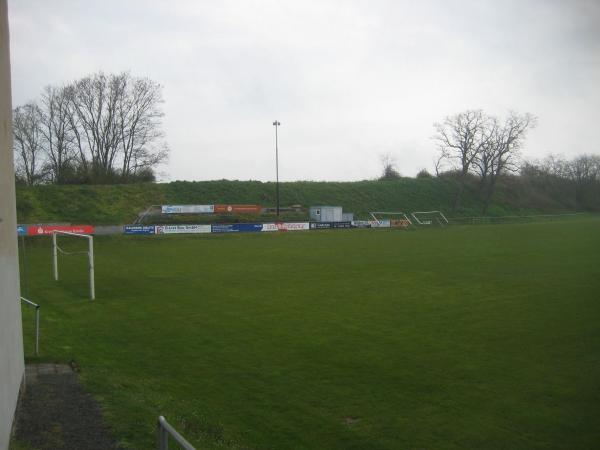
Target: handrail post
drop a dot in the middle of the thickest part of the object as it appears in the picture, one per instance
(54, 257)
(37, 330)
(164, 429)
(162, 437)
(37, 322)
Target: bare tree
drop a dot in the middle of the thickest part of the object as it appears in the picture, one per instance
(27, 142)
(95, 102)
(460, 139)
(138, 122)
(116, 122)
(438, 163)
(500, 152)
(389, 171)
(56, 128)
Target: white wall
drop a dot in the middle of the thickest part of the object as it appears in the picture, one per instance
(11, 339)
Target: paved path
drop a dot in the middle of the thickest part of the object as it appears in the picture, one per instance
(57, 414)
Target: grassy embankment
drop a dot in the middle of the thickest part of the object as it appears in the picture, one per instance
(120, 204)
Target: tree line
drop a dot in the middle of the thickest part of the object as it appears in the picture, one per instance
(102, 128)
(479, 148)
(578, 177)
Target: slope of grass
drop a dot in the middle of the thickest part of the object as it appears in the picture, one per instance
(465, 337)
(118, 204)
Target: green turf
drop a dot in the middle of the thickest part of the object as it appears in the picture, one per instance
(482, 337)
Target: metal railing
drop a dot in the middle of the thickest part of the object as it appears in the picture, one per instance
(478, 220)
(164, 430)
(37, 322)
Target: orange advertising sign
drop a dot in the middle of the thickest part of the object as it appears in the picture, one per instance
(237, 209)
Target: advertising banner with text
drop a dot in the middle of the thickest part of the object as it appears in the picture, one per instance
(21, 230)
(399, 223)
(187, 209)
(238, 209)
(139, 229)
(236, 227)
(286, 226)
(329, 225)
(182, 229)
(42, 230)
(371, 223)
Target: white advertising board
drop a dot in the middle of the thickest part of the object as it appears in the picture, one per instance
(182, 229)
(286, 226)
(187, 209)
(371, 223)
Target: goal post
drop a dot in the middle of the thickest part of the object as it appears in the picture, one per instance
(90, 252)
(427, 217)
(396, 219)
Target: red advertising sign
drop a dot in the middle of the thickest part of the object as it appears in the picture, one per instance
(237, 209)
(41, 230)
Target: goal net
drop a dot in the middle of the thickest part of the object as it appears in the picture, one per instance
(67, 249)
(429, 218)
(395, 219)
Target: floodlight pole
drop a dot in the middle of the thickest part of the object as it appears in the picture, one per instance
(277, 124)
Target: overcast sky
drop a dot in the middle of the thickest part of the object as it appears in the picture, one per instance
(348, 80)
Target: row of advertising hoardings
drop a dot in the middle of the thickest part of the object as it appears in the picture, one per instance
(216, 228)
(44, 230)
(211, 209)
(255, 227)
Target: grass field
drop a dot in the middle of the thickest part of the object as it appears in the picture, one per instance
(479, 337)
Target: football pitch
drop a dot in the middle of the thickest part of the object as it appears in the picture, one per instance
(479, 337)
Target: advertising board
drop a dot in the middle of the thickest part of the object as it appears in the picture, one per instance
(236, 227)
(320, 225)
(187, 209)
(400, 223)
(139, 229)
(371, 223)
(329, 225)
(181, 229)
(286, 226)
(43, 230)
(238, 209)
(21, 230)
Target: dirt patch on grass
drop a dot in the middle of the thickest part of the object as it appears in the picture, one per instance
(351, 420)
(56, 413)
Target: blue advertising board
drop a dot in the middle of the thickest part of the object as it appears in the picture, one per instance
(328, 225)
(21, 230)
(138, 229)
(320, 225)
(236, 227)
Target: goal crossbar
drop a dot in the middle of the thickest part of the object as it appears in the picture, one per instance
(415, 215)
(90, 253)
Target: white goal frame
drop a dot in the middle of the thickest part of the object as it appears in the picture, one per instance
(437, 215)
(390, 213)
(90, 253)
